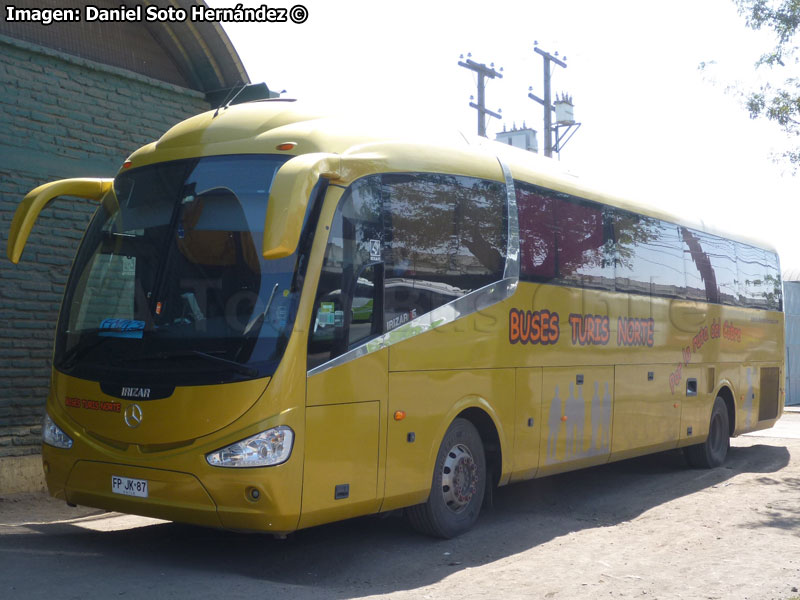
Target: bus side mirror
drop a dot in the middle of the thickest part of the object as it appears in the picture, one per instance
(35, 201)
(288, 200)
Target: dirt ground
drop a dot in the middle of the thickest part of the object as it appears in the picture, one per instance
(644, 528)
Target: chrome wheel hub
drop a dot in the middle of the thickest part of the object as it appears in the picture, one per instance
(459, 478)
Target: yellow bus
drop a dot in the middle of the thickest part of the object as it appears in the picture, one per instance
(278, 319)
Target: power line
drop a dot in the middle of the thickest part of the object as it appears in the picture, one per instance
(482, 71)
(547, 102)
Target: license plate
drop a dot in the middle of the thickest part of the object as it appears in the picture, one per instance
(129, 487)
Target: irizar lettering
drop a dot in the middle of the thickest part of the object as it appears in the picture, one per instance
(132, 392)
(401, 319)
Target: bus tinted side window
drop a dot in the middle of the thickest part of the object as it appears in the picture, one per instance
(751, 266)
(563, 239)
(711, 271)
(349, 285)
(584, 248)
(571, 241)
(722, 253)
(537, 234)
(701, 283)
(400, 246)
(445, 237)
(649, 256)
(760, 282)
(773, 289)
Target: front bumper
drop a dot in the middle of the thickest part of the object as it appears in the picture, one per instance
(210, 497)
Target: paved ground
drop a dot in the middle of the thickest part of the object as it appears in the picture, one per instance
(644, 528)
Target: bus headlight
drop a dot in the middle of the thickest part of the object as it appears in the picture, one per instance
(265, 449)
(52, 434)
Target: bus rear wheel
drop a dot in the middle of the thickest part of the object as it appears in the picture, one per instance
(459, 482)
(713, 451)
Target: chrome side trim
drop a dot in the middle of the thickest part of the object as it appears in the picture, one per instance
(475, 301)
(512, 254)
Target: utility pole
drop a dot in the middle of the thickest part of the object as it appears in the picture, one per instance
(483, 72)
(547, 102)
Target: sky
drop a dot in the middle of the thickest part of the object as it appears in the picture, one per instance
(654, 125)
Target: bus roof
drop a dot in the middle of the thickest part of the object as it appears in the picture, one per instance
(259, 126)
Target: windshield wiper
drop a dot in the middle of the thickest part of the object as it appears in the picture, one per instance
(236, 366)
(263, 315)
(79, 350)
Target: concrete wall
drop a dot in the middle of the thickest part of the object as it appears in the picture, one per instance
(60, 116)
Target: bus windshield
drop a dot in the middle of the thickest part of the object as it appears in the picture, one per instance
(169, 284)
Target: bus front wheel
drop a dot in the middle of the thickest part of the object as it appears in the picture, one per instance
(713, 451)
(459, 482)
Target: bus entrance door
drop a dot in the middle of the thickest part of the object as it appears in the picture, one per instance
(345, 427)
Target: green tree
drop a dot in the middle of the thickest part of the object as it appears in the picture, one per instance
(777, 103)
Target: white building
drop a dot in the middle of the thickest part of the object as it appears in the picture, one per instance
(524, 138)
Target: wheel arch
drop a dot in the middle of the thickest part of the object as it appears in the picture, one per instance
(477, 410)
(726, 393)
(490, 437)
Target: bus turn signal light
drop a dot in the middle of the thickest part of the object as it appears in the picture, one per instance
(399, 415)
(286, 146)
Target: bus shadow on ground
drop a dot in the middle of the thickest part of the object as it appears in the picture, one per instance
(375, 555)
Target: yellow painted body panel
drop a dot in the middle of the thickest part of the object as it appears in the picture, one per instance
(189, 413)
(695, 410)
(557, 399)
(346, 434)
(527, 423)
(747, 405)
(645, 409)
(576, 417)
(431, 400)
(362, 380)
(341, 450)
(481, 341)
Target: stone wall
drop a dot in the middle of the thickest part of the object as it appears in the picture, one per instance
(60, 116)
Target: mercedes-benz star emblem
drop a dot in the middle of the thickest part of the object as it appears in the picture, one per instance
(133, 416)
